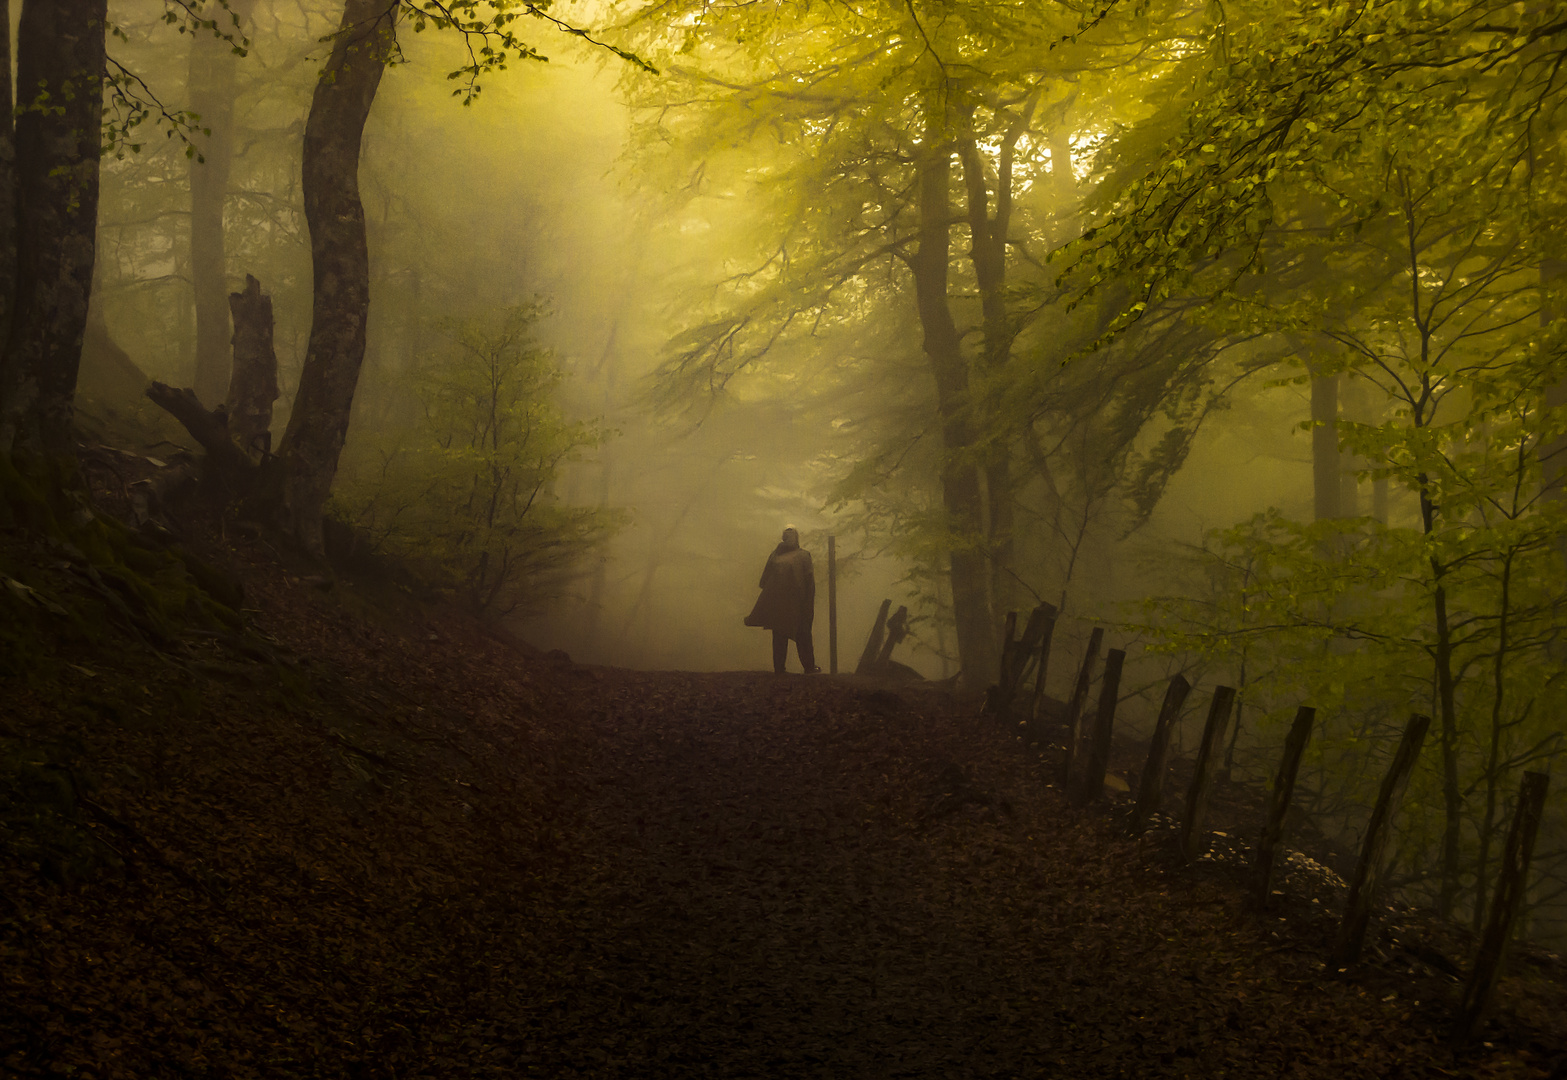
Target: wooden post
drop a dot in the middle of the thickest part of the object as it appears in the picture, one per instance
(1194, 841)
(1278, 806)
(832, 605)
(1074, 711)
(1506, 898)
(1368, 871)
(873, 643)
(1151, 789)
(1047, 630)
(1019, 658)
(897, 630)
(1008, 650)
(1093, 782)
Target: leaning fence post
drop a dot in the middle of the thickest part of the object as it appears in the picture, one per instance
(1047, 631)
(1093, 783)
(1018, 658)
(1074, 711)
(1151, 788)
(1368, 871)
(1193, 840)
(1505, 900)
(1279, 804)
(1008, 633)
(873, 643)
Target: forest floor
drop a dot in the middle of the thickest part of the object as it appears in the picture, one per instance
(367, 837)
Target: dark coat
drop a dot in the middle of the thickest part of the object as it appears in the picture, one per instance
(788, 600)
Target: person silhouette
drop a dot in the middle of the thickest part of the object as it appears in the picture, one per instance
(787, 605)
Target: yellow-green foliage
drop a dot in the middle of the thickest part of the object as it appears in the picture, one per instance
(467, 492)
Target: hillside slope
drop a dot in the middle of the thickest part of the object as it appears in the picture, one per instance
(365, 837)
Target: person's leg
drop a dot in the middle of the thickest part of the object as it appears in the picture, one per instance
(807, 651)
(780, 651)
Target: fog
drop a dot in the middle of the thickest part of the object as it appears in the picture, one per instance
(715, 273)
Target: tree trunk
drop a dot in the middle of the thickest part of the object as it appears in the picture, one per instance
(1452, 794)
(988, 256)
(211, 83)
(7, 181)
(340, 261)
(60, 47)
(960, 477)
(253, 387)
(1324, 447)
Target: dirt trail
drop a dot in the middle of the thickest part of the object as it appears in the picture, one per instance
(787, 878)
(368, 846)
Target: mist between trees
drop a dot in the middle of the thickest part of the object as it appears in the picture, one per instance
(1235, 327)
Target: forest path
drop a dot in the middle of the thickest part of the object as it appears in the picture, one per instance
(349, 844)
(781, 877)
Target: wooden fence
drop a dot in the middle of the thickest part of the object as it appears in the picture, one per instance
(1025, 660)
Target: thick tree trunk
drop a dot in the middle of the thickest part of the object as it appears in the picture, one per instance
(960, 477)
(7, 181)
(988, 255)
(60, 46)
(212, 71)
(338, 110)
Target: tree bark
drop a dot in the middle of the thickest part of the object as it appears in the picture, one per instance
(340, 261)
(253, 387)
(1324, 448)
(988, 256)
(60, 46)
(7, 180)
(1366, 883)
(211, 83)
(960, 477)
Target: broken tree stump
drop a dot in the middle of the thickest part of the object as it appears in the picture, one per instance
(1151, 788)
(1074, 709)
(253, 384)
(1505, 900)
(240, 428)
(1278, 806)
(873, 643)
(1194, 841)
(1093, 782)
(1368, 871)
(209, 427)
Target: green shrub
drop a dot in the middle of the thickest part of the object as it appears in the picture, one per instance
(466, 493)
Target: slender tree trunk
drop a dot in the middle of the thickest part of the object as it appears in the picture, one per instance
(1551, 159)
(61, 49)
(978, 653)
(1493, 762)
(1324, 448)
(1447, 709)
(211, 83)
(340, 261)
